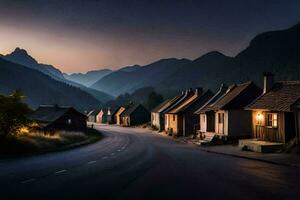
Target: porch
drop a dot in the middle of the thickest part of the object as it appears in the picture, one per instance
(257, 145)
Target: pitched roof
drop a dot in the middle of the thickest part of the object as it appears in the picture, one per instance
(200, 98)
(161, 105)
(94, 112)
(237, 96)
(220, 93)
(50, 113)
(281, 97)
(130, 109)
(178, 102)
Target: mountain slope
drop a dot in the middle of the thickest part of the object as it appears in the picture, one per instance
(88, 78)
(275, 51)
(122, 81)
(42, 89)
(20, 56)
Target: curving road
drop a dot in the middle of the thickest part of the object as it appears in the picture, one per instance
(134, 163)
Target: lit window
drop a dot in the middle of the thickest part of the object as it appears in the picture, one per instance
(69, 121)
(272, 120)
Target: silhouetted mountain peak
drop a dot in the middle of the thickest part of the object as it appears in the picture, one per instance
(211, 55)
(21, 56)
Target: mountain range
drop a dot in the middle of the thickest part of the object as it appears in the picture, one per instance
(40, 88)
(89, 78)
(21, 56)
(274, 51)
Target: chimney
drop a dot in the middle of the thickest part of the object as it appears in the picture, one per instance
(198, 91)
(268, 81)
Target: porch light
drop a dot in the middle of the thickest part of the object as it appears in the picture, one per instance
(259, 118)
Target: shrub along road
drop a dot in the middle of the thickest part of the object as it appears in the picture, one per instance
(138, 164)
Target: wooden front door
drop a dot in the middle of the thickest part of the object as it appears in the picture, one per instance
(221, 123)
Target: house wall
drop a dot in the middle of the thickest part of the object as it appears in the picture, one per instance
(99, 117)
(118, 117)
(262, 132)
(239, 123)
(155, 120)
(172, 123)
(139, 116)
(218, 129)
(91, 118)
(203, 123)
(77, 122)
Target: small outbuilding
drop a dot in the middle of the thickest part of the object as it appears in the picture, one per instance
(54, 117)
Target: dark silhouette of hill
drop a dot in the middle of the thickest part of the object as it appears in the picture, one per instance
(121, 81)
(274, 51)
(40, 88)
(89, 78)
(20, 56)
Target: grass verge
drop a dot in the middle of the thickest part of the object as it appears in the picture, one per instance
(37, 143)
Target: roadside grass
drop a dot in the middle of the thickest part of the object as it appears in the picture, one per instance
(36, 142)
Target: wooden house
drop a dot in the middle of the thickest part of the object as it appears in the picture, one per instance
(168, 117)
(157, 114)
(117, 115)
(135, 114)
(275, 116)
(92, 115)
(102, 116)
(225, 115)
(182, 118)
(207, 118)
(53, 117)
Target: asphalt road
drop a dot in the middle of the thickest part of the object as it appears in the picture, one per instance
(138, 164)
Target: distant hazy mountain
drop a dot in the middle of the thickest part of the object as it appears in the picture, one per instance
(88, 78)
(20, 56)
(130, 68)
(42, 89)
(275, 51)
(122, 81)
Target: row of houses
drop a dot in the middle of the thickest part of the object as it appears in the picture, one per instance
(130, 115)
(234, 112)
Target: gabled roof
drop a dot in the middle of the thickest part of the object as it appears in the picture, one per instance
(281, 97)
(237, 96)
(161, 105)
(200, 98)
(130, 109)
(220, 93)
(178, 102)
(94, 112)
(50, 113)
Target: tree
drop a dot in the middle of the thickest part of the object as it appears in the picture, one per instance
(12, 113)
(153, 100)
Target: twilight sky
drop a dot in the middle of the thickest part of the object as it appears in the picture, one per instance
(80, 35)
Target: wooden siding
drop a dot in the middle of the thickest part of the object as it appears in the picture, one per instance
(263, 132)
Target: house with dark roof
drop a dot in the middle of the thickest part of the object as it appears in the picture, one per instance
(275, 114)
(91, 116)
(183, 121)
(135, 114)
(105, 116)
(206, 115)
(157, 114)
(168, 117)
(117, 115)
(225, 115)
(54, 117)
